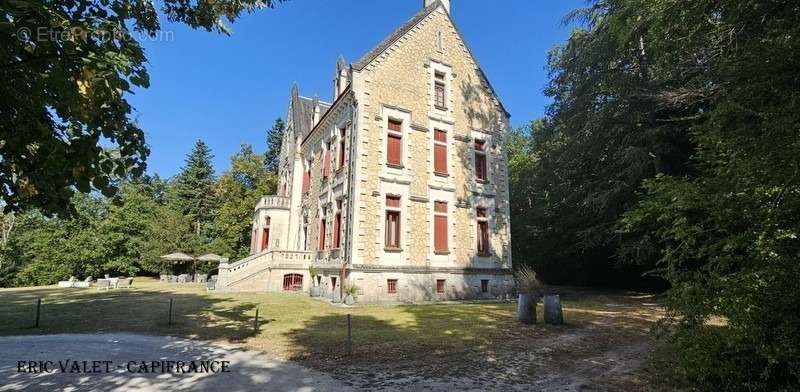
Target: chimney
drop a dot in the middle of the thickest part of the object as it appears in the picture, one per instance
(445, 4)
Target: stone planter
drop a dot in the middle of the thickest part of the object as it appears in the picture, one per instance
(349, 300)
(336, 297)
(526, 309)
(552, 310)
(316, 291)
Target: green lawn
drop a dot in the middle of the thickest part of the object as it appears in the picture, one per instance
(294, 326)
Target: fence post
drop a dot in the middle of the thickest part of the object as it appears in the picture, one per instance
(38, 310)
(349, 335)
(255, 323)
(170, 312)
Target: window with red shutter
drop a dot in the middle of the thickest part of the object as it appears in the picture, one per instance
(307, 180)
(483, 231)
(337, 226)
(440, 243)
(394, 144)
(322, 227)
(480, 161)
(391, 286)
(326, 164)
(392, 240)
(440, 152)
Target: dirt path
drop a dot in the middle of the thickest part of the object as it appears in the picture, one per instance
(605, 352)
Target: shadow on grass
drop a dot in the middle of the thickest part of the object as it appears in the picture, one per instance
(195, 315)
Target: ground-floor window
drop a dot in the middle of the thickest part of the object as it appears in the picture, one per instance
(292, 282)
(484, 285)
(440, 286)
(391, 286)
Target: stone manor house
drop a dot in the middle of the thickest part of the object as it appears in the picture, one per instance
(399, 186)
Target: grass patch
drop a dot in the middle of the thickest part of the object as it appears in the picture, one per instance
(430, 339)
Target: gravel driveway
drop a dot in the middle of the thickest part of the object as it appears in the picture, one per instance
(127, 362)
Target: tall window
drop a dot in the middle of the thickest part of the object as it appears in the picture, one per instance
(326, 163)
(305, 234)
(483, 231)
(292, 282)
(393, 222)
(337, 226)
(440, 152)
(440, 286)
(322, 227)
(341, 147)
(394, 146)
(480, 160)
(439, 91)
(265, 235)
(391, 286)
(440, 226)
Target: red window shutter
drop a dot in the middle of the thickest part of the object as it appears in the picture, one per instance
(337, 227)
(440, 158)
(396, 126)
(391, 286)
(394, 149)
(480, 166)
(322, 235)
(326, 165)
(440, 233)
(480, 212)
(265, 239)
(483, 238)
(393, 201)
(306, 181)
(393, 229)
(440, 286)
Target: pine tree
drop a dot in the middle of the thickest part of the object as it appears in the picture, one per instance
(274, 139)
(193, 189)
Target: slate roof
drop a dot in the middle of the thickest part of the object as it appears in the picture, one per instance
(303, 111)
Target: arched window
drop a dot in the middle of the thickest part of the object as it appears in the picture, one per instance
(292, 282)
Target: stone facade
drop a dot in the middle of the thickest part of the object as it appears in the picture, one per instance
(396, 82)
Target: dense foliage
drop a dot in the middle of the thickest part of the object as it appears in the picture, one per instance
(66, 67)
(673, 146)
(126, 234)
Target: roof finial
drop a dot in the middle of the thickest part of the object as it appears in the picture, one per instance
(445, 4)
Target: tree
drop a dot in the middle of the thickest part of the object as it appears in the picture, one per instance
(240, 188)
(67, 67)
(193, 190)
(274, 140)
(673, 145)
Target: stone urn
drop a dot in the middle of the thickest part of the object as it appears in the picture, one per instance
(552, 310)
(526, 309)
(316, 291)
(349, 299)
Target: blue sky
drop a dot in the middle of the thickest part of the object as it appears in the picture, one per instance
(227, 90)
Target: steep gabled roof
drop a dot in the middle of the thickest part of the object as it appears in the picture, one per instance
(408, 26)
(302, 111)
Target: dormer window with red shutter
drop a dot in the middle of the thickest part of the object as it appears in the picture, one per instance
(307, 178)
(394, 143)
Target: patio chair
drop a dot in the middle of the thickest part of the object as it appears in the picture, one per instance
(125, 283)
(103, 284)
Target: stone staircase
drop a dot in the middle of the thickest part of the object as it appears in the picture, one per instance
(235, 274)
